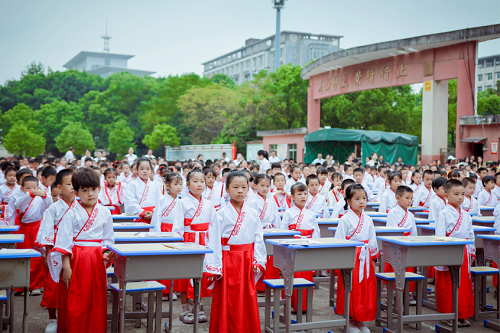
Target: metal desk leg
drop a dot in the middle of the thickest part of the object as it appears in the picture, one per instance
(399, 304)
(151, 312)
(267, 309)
(477, 303)
(137, 307)
(276, 307)
(121, 305)
(332, 288)
(196, 303)
(419, 302)
(379, 300)
(390, 304)
(11, 312)
(25, 314)
(455, 281)
(298, 306)
(288, 282)
(158, 309)
(114, 311)
(170, 306)
(346, 278)
(309, 307)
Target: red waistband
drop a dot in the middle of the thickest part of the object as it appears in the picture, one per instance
(305, 232)
(238, 247)
(199, 226)
(88, 240)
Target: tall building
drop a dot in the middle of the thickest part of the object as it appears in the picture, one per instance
(487, 72)
(297, 48)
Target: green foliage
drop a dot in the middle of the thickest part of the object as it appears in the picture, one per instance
(162, 134)
(21, 140)
(121, 137)
(21, 113)
(488, 101)
(224, 80)
(77, 136)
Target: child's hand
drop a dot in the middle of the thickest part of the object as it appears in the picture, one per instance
(256, 269)
(212, 278)
(67, 272)
(108, 256)
(38, 192)
(147, 216)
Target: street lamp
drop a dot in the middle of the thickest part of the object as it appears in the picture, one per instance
(278, 4)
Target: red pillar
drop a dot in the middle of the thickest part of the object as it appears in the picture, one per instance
(465, 101)
(313, 111)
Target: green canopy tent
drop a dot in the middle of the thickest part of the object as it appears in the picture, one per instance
(340, 143)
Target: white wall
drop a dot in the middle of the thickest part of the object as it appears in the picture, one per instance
(252, 149)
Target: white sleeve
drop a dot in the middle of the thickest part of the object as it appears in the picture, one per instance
(382, 208)
(108, 236)
(336, 210)
(471, 237)
(372, 239)
(285, 222)
(275, 217)
(64, 241)
(131, 205)
(391, 219)
(316, 232)
(496, 213)
(413, 231)
(441, 225)
(45, 234)
(259, 253)
(341, 232)
(213, 261)
(156, 220)
(23, 200)
(326, 210)
(330, 199)
(433, 210)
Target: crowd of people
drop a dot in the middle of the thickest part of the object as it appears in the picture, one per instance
(225, 204)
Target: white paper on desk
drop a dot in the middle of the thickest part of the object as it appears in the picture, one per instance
(185, 246)
(298, 241)
(14, 251)
(156, 234)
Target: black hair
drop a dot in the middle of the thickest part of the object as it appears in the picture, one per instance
(164, 169)
(35, 160)
(428, 172)
(488, 179)
(346, 182)
(110, 170)
(330, 169)
(143, 159)
(116, 163)
(295, 166)
(5, 165)
(60, 176)
(403, 189)
(275, 165)
(254, 174)
(468, 180)
(392, 175)
(358, 170)
(321, 171)
(17, 165)
(481, 169)
(413, 175)
(104, 165)
(311, 177)
(73, 167)
(192, 172)
(177, 168)
(48, 171)
(193, 164)
(9, 169)
(85, 178)
(88, 158)
(29, 179)
(209, 170)
(453, 174)
(438, 182)
(349, 193)
(279, 174)
(225, 170)
(263, 153)
(260, 177)
(335, 175)
(497, 175)
(170, 177)
(22, 172)
(125, 163)
(347, 166)
(298, 187)
(234, 174)
(451, 184)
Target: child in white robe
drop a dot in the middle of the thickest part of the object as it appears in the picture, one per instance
(424, 194)
(388, 200)
(315, 201)
(281, 197)
(339, 208)
(335, 192)
(438, 203)
(213, 191)
(111, 193)
(486, 196)
(470, 204)
(7, 202)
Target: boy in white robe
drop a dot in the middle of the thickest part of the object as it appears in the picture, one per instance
(424, 195)
(315, 201)
(470, 204)
(486, 196)
(358, 175)
(438, 203)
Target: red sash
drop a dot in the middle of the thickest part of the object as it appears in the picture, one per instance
(264, 209)
(313, 200)
(403, 221)
(90, 221)
(145, 193)
(336, 198)
(145, 209)
(56, 226)
(471, 204)
(239, 222)
(427, 199)
(117, 194)
(359, 226)
(188, 221)
(209, 198)
(458, 224)
(19, 217)
(489, 199)
(170, 208)
(286, 200)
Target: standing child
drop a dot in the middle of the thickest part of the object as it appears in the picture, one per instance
(81, 246)
(486, 197)
(315, 201)
(283, 200)
(31, 205)
(48, 176)
(301, 219)
(141, 195)
(424, 194)
(470, 204)
(335, 193)
(212, 191)
(454, 222)
(324, 183)
(481, 173)
(388, 200)
(293, 178)
(198, 213)
(7, 190)
(237, 261)
(357, 226)
(46, 238)
(111, 193)
(438, 203)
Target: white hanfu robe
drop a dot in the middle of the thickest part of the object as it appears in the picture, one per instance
(290, 182)
(140, 196)
(487, 199)
(113, 196)
(8, 204)
(214, 195)
(423, 197)
(400, 218)
(415, 187)
(369, 194)
(52, 217)
(470, 205)
(496, 191)
(388, 201)
(168, 215)
(437, 205)
(334, 196)
(338, 210)
(267, 211)
(282, 201)
(317, 204)
(325, 188)
(496, 225)
(479, 186)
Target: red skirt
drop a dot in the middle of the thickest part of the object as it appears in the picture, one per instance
(465, 293)
(363, 298)
(234, 305)
(30, 230)
(388, 269)
(146, 209)
(83, 307)
(116, 211)
(50, 296)
(495, 277)
(271, 273)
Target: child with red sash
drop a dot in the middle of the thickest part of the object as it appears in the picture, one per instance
(339, 208)
(81, 252)
(212, 192)
(357, 226)
(416, 181)
(324, 183)
(31, 205)
(487, 197)
(301, 219)
(7, 190)
(453, 221)
(141, 195)
(294, 177)
(425, 193)
(48, 176)
(46, 238)
(126, 175)
(335, 193)
(237, 262)
(168, 215)
(269, 217)
(388, 200)
(315, 201)
(470, 204)
(111, 192)
(282, 199)
(438, 203)
(198, 213)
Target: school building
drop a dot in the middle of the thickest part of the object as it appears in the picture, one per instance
(487, 72)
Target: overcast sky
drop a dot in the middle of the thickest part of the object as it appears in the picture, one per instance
(175, 37)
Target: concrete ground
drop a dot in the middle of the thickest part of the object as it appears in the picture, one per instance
(38, 316)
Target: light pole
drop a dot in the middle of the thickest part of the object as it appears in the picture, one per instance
(278, 4)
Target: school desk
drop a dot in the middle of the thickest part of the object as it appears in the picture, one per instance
(422, 215)
(491, 245)
(376, 214)
(132, 226)
(424, 251)
(486, 221)
(156, 261)
(324, 224)
(382, 221)
(7, 229)
(416, 209)
(125, 218)
(321, 253)
(136, 237)
(9, 241)
(15, 273)
(486, 211)
(370, 206)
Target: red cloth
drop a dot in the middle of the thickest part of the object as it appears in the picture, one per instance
(363, 298)
(167, 227)
(146, 209)
(30, 230)
(388, 269)
(495, 277)
(50, 296)
(465, 293)
(309, 277)
(83, 308)
(431, 272)
(271, 273)
(116, 211)
(234, 305)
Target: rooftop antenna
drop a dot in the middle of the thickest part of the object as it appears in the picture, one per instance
(106, 38)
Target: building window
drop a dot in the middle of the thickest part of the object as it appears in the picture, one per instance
(498, 75)
(273, 147)
(292, 152)
(255, 63)
(480, 77)
(489, 87)
(490, 76)
(261, 60)
(248, 64)
(479, 88)
(107, 62)
(293, 38)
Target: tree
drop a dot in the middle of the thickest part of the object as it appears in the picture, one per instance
(22, 140)
(77, 136)
(33, 69)
(21, 113)
(162, 134)
(121, 138)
